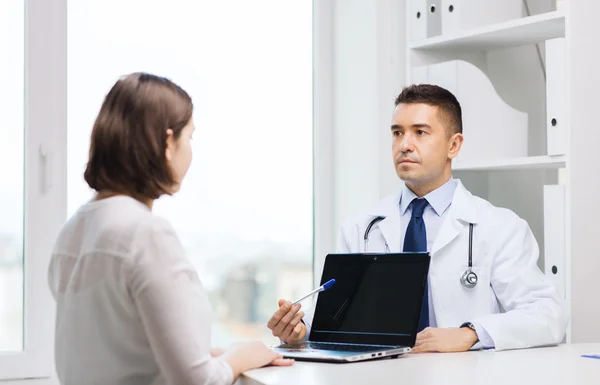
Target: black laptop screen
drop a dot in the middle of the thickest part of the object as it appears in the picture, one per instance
(376, 299)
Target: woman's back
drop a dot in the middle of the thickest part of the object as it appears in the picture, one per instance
(130, 307)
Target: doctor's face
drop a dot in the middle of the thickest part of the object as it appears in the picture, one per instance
(422, 146)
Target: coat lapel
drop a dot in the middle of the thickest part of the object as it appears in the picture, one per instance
(462, 211)
(390, 226)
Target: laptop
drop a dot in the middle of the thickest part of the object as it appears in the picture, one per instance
(371, 312)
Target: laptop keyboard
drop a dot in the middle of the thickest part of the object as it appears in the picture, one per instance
(345, 347)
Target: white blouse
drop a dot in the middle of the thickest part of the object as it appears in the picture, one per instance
(130, 307)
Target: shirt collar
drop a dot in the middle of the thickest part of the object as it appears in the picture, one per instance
(439, 199)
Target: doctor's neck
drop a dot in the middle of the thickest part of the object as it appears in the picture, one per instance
(424, 187)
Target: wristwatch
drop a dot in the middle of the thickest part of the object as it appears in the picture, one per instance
(468, 325)
(472, 327)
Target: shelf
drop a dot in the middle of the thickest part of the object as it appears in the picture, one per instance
(527, 163)
(513, 33)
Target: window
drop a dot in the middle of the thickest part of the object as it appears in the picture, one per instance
(33, 184)
(244, 213)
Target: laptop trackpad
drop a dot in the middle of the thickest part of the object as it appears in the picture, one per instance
(340, 350)
(308, 353)
(314, 353)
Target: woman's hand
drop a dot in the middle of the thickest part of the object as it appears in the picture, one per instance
(251, 355)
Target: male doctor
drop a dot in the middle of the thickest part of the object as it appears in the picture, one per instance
(512, 304)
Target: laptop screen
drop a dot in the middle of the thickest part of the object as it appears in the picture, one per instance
(376, 299)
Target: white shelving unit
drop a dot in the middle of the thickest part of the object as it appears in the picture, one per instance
(534, 186)
(526, 163)
(513, 33)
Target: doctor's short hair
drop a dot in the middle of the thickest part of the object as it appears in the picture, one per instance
(129, 137)
(448, 105)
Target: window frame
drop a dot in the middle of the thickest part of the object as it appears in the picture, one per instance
(45, 182)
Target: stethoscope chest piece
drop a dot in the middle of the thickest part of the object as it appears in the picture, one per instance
(468, 279)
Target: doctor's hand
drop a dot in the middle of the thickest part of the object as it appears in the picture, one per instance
(286, 322)
(445, 340)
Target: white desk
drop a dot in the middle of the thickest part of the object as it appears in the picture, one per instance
(554, 365)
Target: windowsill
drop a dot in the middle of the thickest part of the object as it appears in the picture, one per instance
(41, 381)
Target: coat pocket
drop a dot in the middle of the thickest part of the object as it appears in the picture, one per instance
(454, 303)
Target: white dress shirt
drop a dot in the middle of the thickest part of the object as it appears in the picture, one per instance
(439, 200)
(130, 307)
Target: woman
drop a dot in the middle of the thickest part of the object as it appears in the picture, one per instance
(130, 306)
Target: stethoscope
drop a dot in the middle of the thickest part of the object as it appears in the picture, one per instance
(468, 278)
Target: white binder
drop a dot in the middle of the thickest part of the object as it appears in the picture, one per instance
(554, 236)
(556, 127)
(424, 19)
(434, 18)
(417, 19)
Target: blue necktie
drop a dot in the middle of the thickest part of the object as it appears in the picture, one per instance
(415, 239)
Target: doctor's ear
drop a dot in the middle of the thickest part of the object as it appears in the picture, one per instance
(455, 144)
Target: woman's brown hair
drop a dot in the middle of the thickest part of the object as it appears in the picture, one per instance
(128, 142)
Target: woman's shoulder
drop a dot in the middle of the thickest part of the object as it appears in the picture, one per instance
(113, 226)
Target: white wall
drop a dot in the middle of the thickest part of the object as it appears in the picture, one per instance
(355, 105)
(391, 73)
(368, 75)
(365, 61)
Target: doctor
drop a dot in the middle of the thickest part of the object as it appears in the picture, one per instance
(512, 305)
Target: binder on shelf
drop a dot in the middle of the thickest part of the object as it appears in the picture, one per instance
(555, 249)
(434, 18)
(425, 19)
(460, 15)
(492, 128)
(417, 19)
(556, 125)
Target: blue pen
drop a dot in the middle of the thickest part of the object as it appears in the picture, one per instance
(325, 286)
(596, 356)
